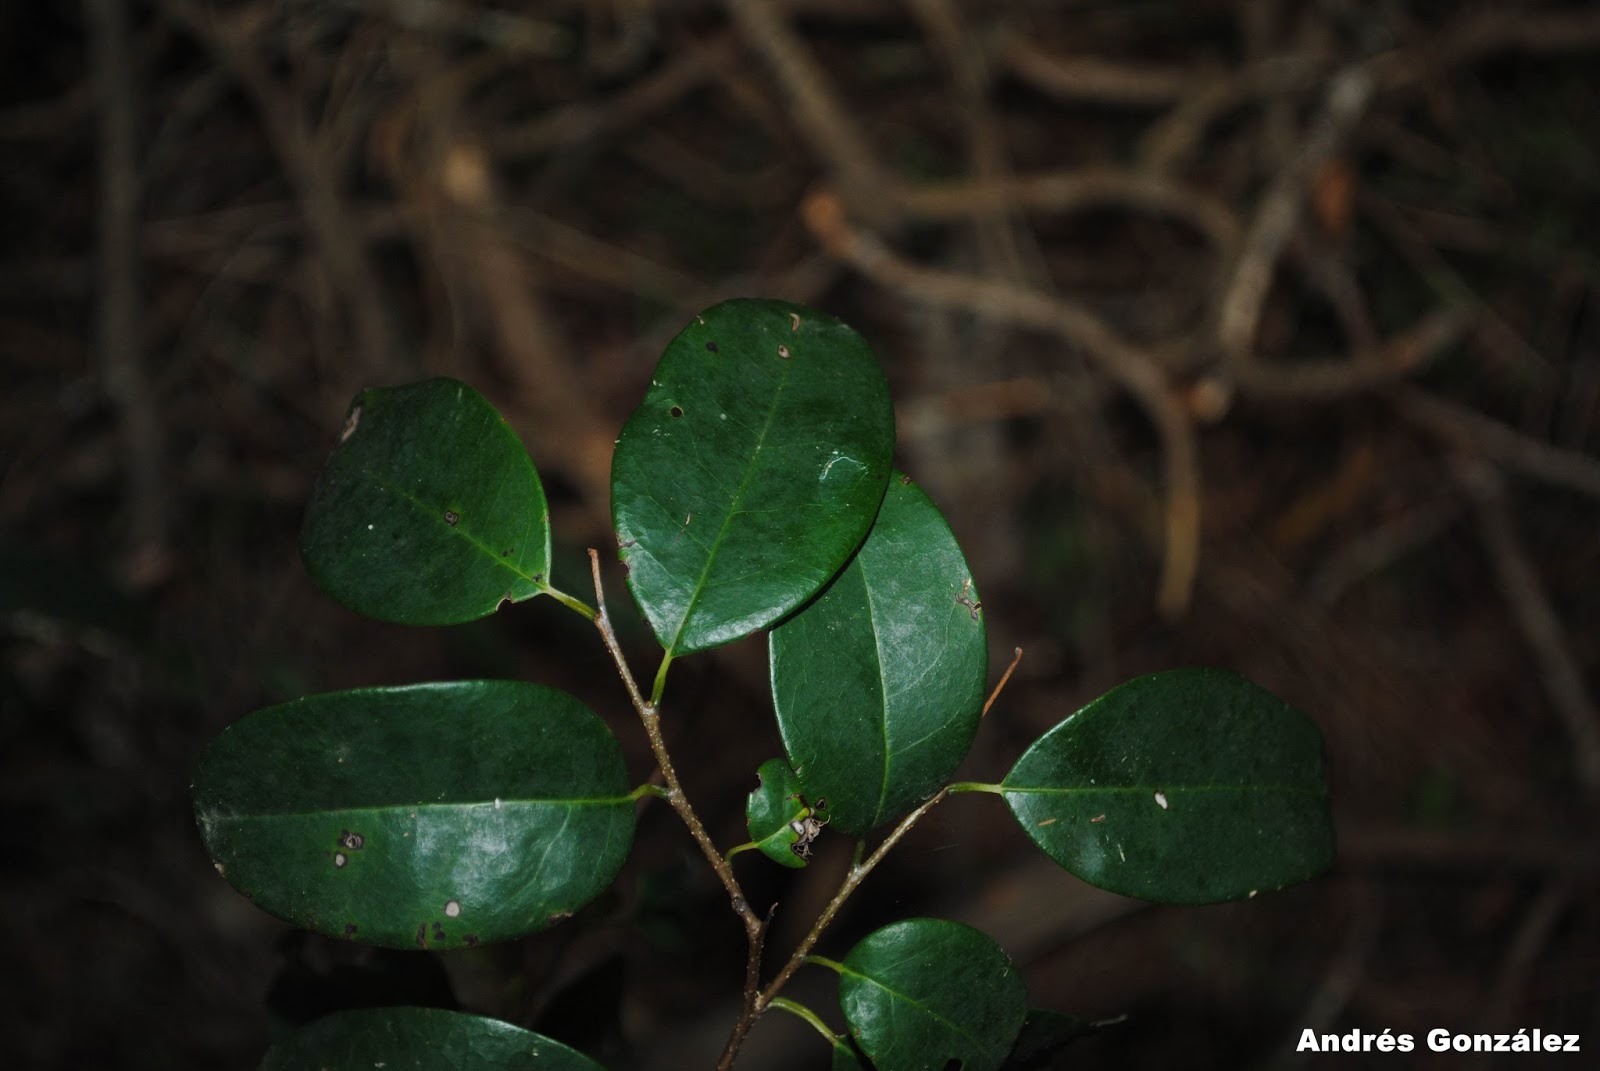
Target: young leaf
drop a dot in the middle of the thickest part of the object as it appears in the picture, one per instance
(878, 683)
(1190, 787)
(431, 816)
(777, 815)
(922, 992)
(750, 471)
(419, 1037)
(429, 511)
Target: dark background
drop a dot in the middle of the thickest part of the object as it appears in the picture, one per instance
(1305, 294)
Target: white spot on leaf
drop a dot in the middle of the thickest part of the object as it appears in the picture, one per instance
(1161, 800)
(452, 908)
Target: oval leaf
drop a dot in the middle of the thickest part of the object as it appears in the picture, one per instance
(878, 683)
(845, 1058)
(429, 511)
(751, 470)
(431, 816)
(1190, 787)
(778, 816)
(419, 1037)
(922, 992)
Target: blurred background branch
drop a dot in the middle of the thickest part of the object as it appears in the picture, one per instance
(1264, 335)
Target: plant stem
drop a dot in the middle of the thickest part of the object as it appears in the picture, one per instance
(755, 927)
(974, 786)
(573, 604)
(795, 1008)
(852, 880)
(659, 688)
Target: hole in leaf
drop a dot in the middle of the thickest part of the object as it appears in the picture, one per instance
(451, 517)
(676, 411)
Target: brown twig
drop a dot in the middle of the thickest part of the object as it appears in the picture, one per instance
(1463, 427)
(823, 118)
(1131, 367)
(586, 121)
(1079, 190)
(338, 239)
(1328, 378)
(1239, 307)
(119, 334)
(1000, 685)
(852, 881)
(1091, 78)
(1536, 619)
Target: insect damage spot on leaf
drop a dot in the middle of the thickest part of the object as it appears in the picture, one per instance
(340, 860)
(350, 423)
(783, 351)
(712, 346)
(972, 605)
(353, 841)
(451, 517)
(676, 411)
(794, 321)
(452, 908)
(422, 935)
(1161, 800)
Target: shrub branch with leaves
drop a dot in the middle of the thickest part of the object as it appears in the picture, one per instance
(752, 489)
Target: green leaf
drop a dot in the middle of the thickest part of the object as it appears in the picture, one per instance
(419, 1038)
(845, 1058)
(878, 683)
(1187, 787)
(922, 992)
(430, 816)
(750, 471)
(774, 808)
(1044, 1037)
(429, 511)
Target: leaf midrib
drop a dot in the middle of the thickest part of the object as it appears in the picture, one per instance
(727, 519)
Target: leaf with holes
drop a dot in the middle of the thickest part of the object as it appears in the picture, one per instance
(429, 511)
(751, 470)
(878, 682)
(1192, 786)
(419, 1037)
(781, 821)
(430, 816)
(922, 992)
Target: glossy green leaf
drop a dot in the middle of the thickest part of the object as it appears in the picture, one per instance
(1191, 786)
(431, 816)
(777, 814)
(1044, 1038)
(429, 511)
(922, 992)
(410, 1038)
(751, 470)
(845, 1058)
(878, 683)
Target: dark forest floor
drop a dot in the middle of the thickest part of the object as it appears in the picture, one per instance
(1259, 335)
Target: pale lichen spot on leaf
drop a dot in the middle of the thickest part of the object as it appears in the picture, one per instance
(339, 860)
(1161, 800)
(452, 908)
(350, 423)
